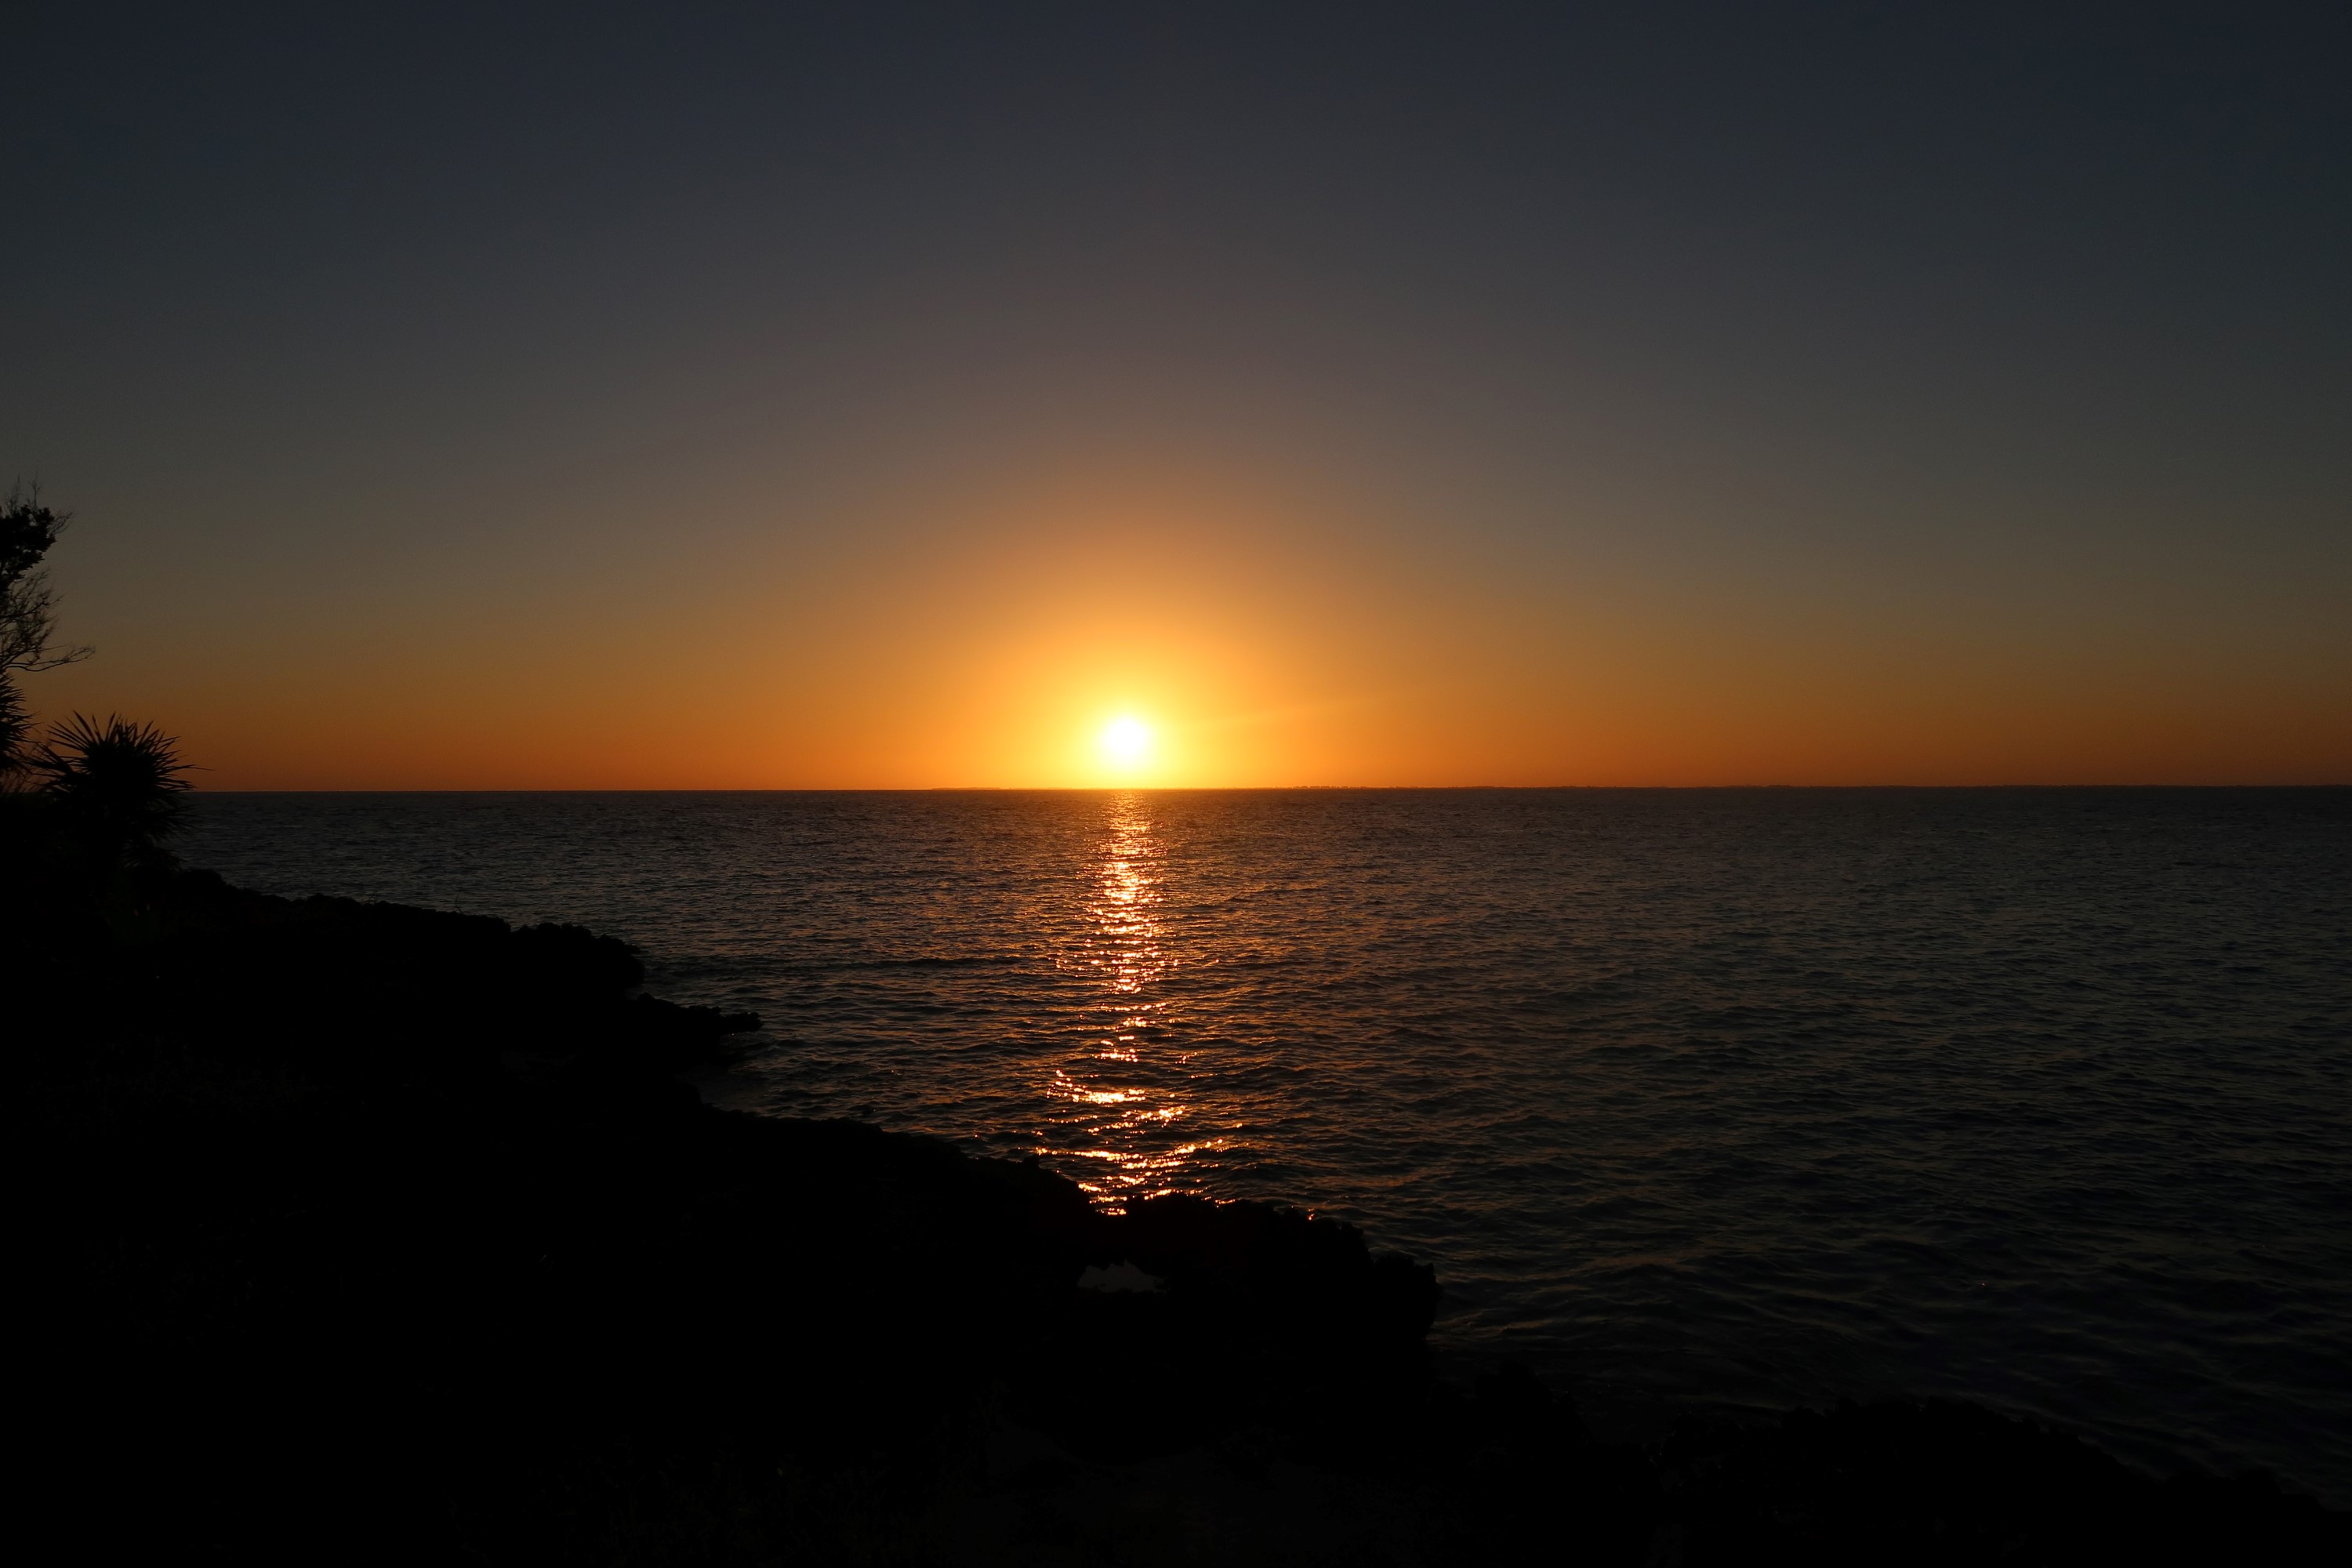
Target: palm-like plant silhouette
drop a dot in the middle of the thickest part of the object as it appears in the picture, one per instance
(118, 788)
(16, 723)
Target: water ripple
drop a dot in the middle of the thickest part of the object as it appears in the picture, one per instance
(2034, 1097)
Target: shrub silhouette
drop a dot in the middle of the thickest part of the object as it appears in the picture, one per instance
(116, 788)
(16, 723)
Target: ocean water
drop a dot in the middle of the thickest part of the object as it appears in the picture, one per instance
(2040, 1098)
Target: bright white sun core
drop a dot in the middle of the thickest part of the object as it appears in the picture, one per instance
(1126, 741)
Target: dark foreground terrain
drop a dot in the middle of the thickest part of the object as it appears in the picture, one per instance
(356, 1231)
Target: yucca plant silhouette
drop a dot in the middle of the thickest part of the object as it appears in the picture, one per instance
(16, 724)
(118, 788)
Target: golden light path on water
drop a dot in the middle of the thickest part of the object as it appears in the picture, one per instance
(1734, 1095)
(1128, 1094)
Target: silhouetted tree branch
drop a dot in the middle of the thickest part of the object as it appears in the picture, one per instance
(28, 614)
(27, 607)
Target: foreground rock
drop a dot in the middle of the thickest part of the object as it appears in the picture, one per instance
(356, 1231)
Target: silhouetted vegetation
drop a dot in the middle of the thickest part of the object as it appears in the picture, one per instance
(114, 793)
(28, 620)
(90, 810)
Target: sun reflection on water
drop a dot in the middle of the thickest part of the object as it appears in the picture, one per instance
(1127, 1091)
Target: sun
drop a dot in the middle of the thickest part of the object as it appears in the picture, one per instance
(1126, 741)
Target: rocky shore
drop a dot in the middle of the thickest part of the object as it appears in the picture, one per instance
(361, 1231)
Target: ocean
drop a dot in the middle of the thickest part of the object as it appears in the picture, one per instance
(1745, 1098)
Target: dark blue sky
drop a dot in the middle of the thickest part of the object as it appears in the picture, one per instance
(528, 335)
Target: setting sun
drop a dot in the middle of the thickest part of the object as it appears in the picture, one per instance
(1126, 741)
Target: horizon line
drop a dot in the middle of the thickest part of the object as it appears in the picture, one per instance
(1228, 789)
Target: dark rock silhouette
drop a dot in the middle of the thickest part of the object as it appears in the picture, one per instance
(358, 1231)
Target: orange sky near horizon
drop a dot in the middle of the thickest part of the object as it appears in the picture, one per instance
(1267, 636)
(808, 397)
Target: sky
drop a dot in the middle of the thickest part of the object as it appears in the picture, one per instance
(487, 397)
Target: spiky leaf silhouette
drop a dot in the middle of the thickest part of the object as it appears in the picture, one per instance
(16, 724)
(119, 787)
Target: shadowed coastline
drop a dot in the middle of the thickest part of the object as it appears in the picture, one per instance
(360, 1230)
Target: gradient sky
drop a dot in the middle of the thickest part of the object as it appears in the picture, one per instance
(875, 396)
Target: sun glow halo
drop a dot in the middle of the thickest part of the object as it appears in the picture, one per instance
(1126, 741)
